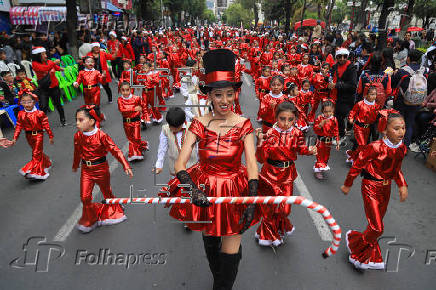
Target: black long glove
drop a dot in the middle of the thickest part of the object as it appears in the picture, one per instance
(198, 197)
(248, 214)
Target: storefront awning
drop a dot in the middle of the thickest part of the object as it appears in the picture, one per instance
(111, 7)
(33, 15)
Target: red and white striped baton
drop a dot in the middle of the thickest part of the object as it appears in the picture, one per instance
(307, 203)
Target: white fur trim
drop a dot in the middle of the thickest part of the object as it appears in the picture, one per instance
(135, 158)
(289, 233)
(107, 222)
(35, 176)
(37, 50)
(158, 121)
(268, 243)
(321, 169)
(87, 229)
(95, 44)
(342, 51)
(112, 33)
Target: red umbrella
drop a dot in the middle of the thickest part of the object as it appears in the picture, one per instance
(308, 22)
(414, 28)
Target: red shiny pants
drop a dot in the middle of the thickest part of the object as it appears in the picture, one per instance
(136, 145)
(364, 246)
(94, 212)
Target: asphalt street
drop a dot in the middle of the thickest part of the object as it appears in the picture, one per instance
(41, 249)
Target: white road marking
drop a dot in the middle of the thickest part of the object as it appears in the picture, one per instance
(66, 229)
(318, 220)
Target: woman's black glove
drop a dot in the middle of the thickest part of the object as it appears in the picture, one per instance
(198, 197)
(248, 214)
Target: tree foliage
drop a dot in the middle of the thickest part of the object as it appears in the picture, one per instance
(236, 14)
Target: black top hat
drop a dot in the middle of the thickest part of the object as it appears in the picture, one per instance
(219, 65)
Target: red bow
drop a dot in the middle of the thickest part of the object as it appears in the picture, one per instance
(23, 92)
(92, 112)
(202, 97)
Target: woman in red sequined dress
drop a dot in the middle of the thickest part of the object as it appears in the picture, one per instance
(222, 137)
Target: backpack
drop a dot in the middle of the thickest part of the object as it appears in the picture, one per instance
(378, 84)
(417, 90)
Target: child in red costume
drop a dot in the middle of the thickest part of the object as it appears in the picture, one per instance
(363, 116)
(130, 107)
(294, 58)
(294, 97)
(277, 149)
(90, 148)
(305, 96)
(326, 129)
(262, 85)
(150, 80)
(322, 93)
(125, 75)
(305, 70)
(269, 102)
(378, 163)
(34, 122)
(91, 80)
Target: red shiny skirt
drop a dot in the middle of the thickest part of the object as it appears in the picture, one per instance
(217, 219)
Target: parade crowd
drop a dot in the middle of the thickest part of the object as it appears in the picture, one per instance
(336, 86)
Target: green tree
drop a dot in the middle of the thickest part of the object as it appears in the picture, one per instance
(235, 14)
(340, 13)
(209, 16)
(252, 5)
(425, 10)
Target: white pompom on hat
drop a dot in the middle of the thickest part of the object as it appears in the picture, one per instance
(37, 50)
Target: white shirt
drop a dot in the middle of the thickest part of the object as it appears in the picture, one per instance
(184, 87)
(163, 146)
(188, 110)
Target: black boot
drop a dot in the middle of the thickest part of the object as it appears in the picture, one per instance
(229, 264)
(212, 246)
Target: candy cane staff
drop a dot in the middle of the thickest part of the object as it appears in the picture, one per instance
(34, 122)
(378, 163)
(277, 150)
(91, 145)
(219, 171)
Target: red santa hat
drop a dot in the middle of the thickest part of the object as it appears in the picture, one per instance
(112, 33)
(342, 51)
(38, 49)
